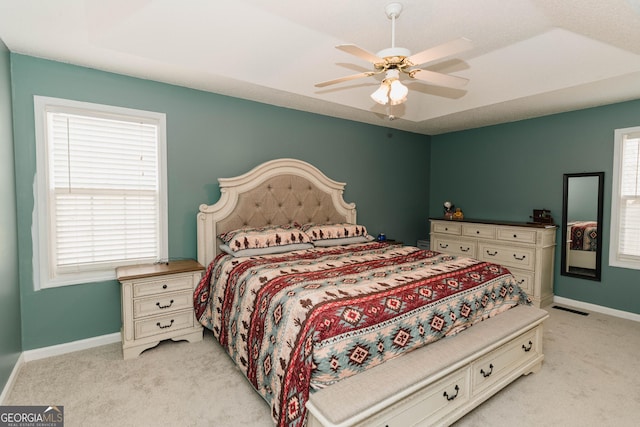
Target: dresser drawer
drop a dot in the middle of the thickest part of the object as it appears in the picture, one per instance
(428, 405)
(491, 368)
(525, 280)
(162, 285)
(479, 231)
(447, 227)
(516, 235)
(162, 324)
(453, 246)
(161, 304)
(509, 256)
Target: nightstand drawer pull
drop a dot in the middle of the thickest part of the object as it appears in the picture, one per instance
(519, 259)
(443, 246)
(486, 374)
(457, 389)
(164, 326)
(467, 249)
(492, 254)
(527, 349)
(164, 306)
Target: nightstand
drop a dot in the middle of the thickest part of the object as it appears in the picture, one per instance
(157, 304)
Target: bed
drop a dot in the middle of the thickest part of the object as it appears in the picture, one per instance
(582, 241)
(308, 307)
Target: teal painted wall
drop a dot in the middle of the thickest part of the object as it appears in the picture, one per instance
(506, 171)
(10, 339)
(209, 136)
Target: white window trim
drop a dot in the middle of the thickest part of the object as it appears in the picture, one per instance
(40, 226)
(615, 260)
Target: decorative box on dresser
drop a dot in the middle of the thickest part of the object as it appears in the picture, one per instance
(528, 250)
(157, 304)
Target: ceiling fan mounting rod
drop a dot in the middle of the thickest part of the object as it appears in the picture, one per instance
(393, 11)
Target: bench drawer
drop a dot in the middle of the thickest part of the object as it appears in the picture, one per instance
(428, 404)
(491, 368)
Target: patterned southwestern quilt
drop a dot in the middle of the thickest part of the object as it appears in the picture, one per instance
(584, 236)
(300, 321)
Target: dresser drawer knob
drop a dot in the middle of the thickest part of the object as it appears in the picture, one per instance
(164, 326)
(486, 374)
(519, 259)
(464, 249)
(492, 254)
(515, 236)
(164, 306)
(443, 246)
(450, 398)
(165, 286)
(527, 349)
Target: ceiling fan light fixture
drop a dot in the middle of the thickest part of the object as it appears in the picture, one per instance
(397, 93)
(391, 90)
(381, 95)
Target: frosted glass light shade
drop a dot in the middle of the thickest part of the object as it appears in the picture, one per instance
(398, 92)
(381, 95)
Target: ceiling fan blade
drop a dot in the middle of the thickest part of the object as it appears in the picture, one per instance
(447, 49)
(438, 79)
(345, 79)
(360, 53)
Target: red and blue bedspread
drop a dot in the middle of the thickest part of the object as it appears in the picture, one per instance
(584, 236)
(303, 320)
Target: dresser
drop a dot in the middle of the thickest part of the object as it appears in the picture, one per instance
(157, 304)
(527, 250)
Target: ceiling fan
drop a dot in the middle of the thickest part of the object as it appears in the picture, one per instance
(396, 60)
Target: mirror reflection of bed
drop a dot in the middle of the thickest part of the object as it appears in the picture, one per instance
(582, 242)
(582, 225)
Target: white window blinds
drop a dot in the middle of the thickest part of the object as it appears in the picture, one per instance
(625, 242)
(630, 197)
(105, 193)
(105, 190)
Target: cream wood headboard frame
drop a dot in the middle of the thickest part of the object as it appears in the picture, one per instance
(277, 192)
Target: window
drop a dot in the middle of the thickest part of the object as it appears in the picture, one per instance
(100, 191)
(625, 204)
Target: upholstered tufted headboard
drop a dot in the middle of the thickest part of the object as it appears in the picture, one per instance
(276, 192)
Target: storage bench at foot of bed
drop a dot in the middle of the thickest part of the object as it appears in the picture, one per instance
(439, 383)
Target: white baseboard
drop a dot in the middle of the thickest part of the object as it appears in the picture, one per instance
(69, 347)
(597, 308)
(12, 379)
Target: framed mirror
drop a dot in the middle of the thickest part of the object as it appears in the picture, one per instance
(582, 225)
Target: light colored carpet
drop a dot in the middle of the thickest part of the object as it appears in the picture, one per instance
(590, 377)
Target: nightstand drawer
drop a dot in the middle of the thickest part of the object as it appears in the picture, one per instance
(161, 304)
(162, 324)
(162, 285)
